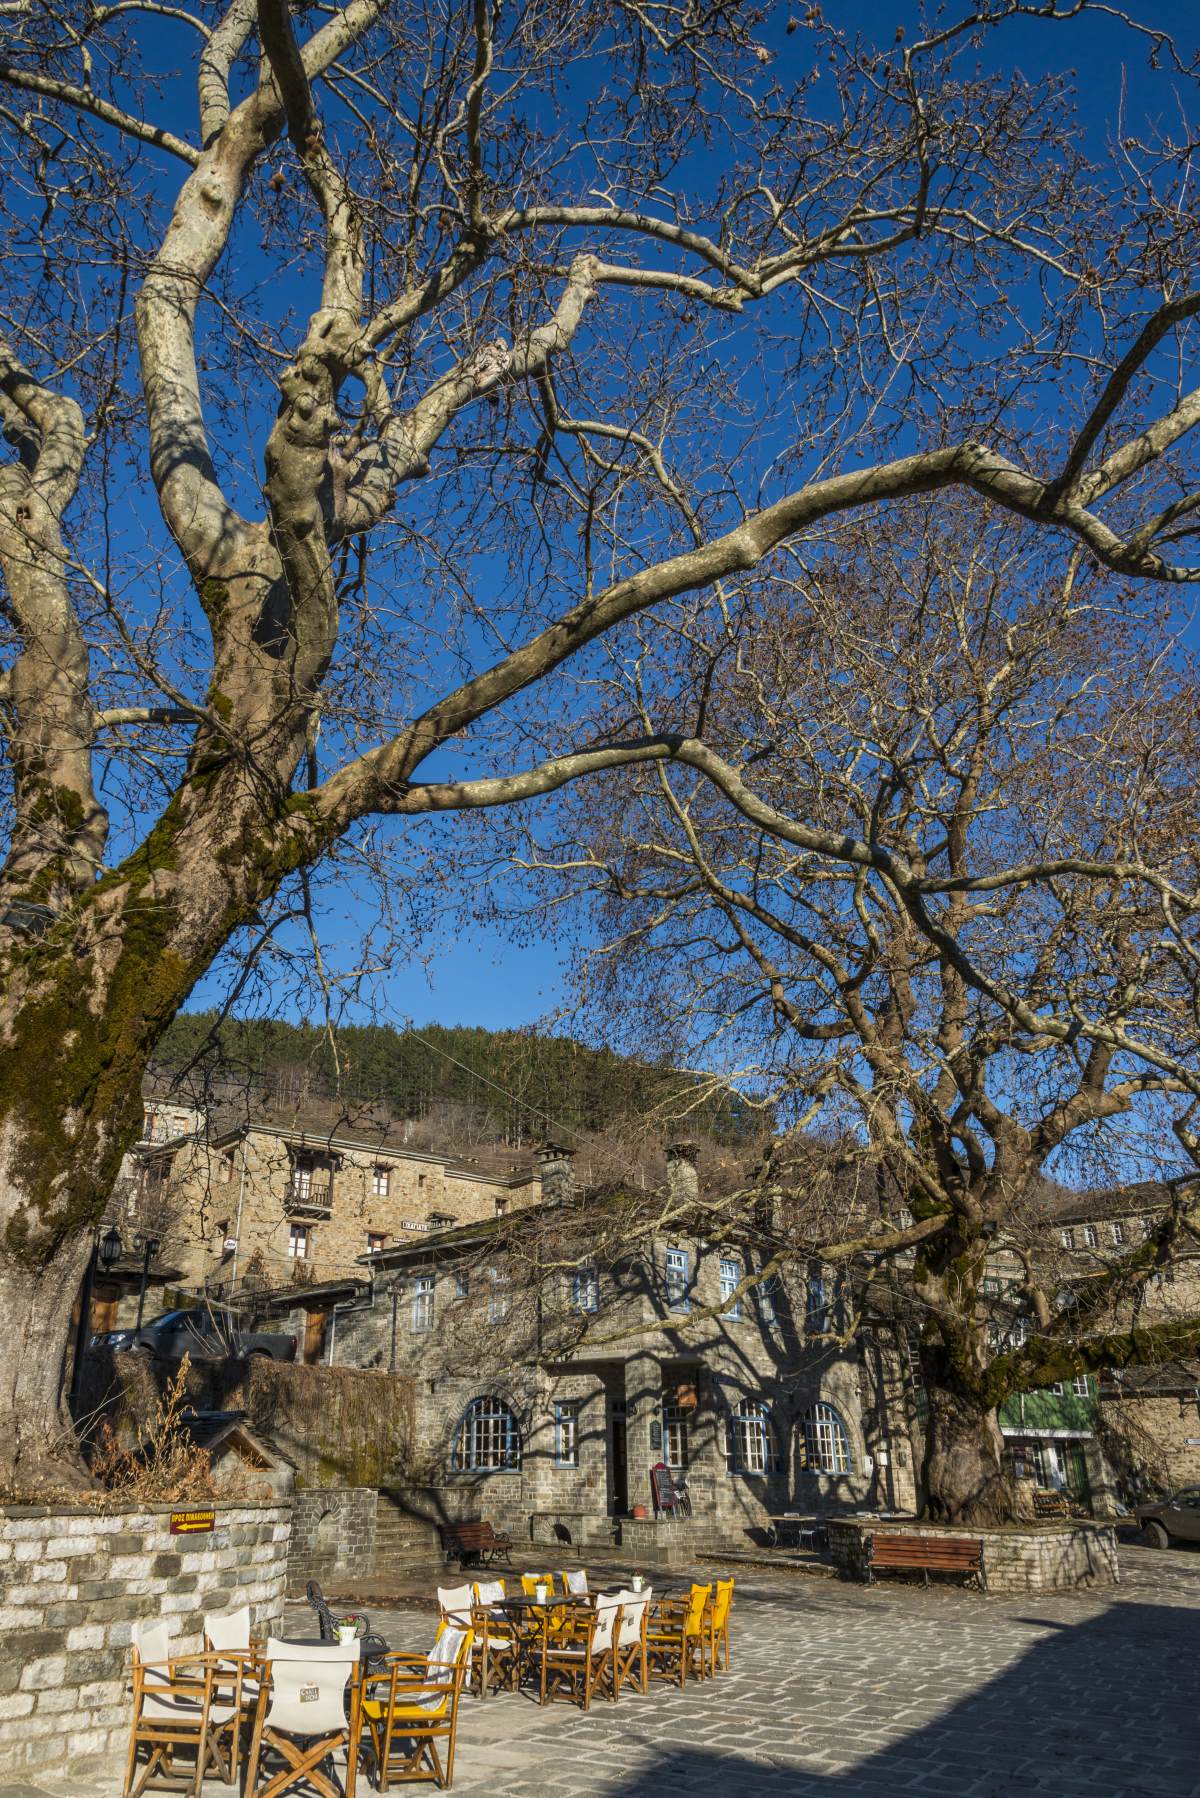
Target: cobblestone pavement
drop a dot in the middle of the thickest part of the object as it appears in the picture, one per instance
(841, 1692)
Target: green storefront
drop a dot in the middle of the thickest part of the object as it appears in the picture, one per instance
(1047, 1435)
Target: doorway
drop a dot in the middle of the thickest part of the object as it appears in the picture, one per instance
(618, 1464)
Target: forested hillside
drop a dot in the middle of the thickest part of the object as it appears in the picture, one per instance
(509, 1086)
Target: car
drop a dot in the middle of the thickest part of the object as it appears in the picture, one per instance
(205, 1332)
(1171, 1520)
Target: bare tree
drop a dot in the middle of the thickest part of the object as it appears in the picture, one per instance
(928, 884)
(363, 366)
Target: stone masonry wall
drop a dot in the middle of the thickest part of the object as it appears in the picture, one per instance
(1047, 1557)
(333, 1535)
(72, 1583)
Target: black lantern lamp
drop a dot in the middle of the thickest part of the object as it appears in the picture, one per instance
(110, 1249)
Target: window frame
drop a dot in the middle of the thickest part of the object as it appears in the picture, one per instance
(675, 1436)
(585, 1288)
(1116, 1231)
(381, 1181)
(731, 1277)
(1081, 1380)
(826, 1441)
(299, 1233)
(499, 1300)
(1091, 1236)
(1067, 1238)
(566, 1431)
(488, 1424)
(376, 1240)
(422, 1304)
(677, 1279)
(749, 1424)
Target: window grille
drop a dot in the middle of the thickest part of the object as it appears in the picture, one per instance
(566, 1433)
(675, 1435)
(488, 1439)
(1081, 1386)
(585, 1289)
(826, 1443)
(422, 1311)
(677, 1279)
(750, 1445)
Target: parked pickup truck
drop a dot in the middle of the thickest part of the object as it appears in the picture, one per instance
(206, 1333)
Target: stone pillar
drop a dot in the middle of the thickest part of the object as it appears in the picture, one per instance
(643, 1398)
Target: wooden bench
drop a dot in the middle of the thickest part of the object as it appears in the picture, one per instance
(475, 1544)
(927, 1554)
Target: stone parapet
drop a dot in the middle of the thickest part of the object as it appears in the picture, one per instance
(73, 1582)
(1043, 1557)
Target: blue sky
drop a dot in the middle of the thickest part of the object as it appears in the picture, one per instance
(478, 975)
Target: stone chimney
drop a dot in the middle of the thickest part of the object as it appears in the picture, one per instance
(556, 1166)
(683, 1181)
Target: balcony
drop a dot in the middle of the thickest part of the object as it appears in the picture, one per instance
(309, 1197)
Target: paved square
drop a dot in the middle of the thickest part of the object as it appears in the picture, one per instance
(840, 1692)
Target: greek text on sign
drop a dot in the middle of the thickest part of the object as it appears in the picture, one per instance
(192, 1523)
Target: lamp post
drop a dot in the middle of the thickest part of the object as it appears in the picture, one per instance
(105, 1253)
(150, 1248)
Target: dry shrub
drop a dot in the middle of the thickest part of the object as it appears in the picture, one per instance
(164, 1465)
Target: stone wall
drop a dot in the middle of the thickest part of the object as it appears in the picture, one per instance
(1152, 1443)
(71, 1584)
(1046, 1557)
(333, 1535)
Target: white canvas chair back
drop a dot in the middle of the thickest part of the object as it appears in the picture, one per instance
(443, 1660)
(489, 1591)
(577, 1583)
(153, 1645)
(606, 1616)
(456, 1602)
(308, 1687)
(633, 1607)
(229, 1634)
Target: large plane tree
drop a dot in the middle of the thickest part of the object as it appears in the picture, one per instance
(366, 368)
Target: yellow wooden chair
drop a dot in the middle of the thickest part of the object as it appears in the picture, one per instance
(675, 1636)
(555, 1619)
(717, 1644)
(410, 1709)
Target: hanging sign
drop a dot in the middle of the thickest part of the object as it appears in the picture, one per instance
(192, 1523)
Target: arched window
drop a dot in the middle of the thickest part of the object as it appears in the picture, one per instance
(826, 1442)
(488, 1439)
(750, 1445)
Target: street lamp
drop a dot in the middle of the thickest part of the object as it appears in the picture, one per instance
(109, 1249)
(150, 1248)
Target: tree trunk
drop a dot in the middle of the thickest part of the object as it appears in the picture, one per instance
(964, 1474)
(38, 1447)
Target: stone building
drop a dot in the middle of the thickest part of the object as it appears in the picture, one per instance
(545, 1403)
(271, 1203)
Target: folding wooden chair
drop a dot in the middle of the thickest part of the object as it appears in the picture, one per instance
(629, 1651)
(675, 1637)
(172, 1708)
(301, 1718)
(717, 1632)
(496, 1649)
(410, 1709)
(578, 1657)
(227, 1640)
